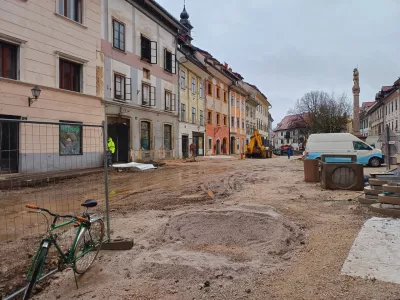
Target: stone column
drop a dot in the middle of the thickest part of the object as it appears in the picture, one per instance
(356, 103)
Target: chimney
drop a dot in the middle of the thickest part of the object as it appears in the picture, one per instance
(225, 65)
(230, 69)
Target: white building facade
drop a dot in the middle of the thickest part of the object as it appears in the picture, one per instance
(138, 40)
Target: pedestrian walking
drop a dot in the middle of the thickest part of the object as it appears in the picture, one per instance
(289, 153)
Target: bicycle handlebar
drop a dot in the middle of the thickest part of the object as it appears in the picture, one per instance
(82, 219)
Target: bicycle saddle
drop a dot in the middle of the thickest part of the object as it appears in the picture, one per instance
(89, 203)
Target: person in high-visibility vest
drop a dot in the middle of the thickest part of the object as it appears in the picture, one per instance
(111, 145)
(111, 151)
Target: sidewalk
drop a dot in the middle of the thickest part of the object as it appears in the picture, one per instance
(8, 181)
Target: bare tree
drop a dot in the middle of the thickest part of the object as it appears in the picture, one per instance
(319, 112)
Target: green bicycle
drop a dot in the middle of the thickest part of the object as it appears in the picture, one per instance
(83, 251)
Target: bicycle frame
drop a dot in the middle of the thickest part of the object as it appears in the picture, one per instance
(65, 258)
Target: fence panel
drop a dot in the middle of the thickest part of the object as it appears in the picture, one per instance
(53, 165)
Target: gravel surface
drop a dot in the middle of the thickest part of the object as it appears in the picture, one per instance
(226, 229)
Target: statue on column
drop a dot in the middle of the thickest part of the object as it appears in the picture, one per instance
(356, 80)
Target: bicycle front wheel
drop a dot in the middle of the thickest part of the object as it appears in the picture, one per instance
(41, 258)
(88, 246)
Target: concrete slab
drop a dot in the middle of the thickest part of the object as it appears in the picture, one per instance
(374, 253)
(118, 244)
(367, 199)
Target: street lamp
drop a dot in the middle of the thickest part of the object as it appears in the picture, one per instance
(35, 93)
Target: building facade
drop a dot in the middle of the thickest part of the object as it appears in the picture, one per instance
(54, 45)
(251, 108)
(237, 96)
(262, 114)
(290, 131)
(192, 82)
(138, 41)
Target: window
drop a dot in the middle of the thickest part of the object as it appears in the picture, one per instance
(201, 118)
(395, 103)
(209, 117)
(119, 35)
(70, 139)
(243, 124)
(386, 110)
(242, 105)
(183, 80)
(169, 62)
(148, 50)
(145, 135)
(218, 119)
(201, 90)
(392, 125)
(247, 111)
(224, 120)
(193, 115)
(167, 137)
(148, 95)
(119, 87)
(233, 101)
(396, 126)
(209, 143)
(193, 85)
(238, 123)
(361, 146)
(146, 73)
(71, 9)
(8, 60)
(183, 112)
(209, 88)
(122, 87)
(225, 96)
(218, 93)
(392, 106)
(169, 101)
(70, 76)
(233, 122)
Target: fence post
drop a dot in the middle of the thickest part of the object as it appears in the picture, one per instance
(106, 178)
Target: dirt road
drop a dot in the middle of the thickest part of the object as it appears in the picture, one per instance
(226, 229)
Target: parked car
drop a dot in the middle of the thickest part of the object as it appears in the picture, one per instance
(342, 143)
(284, 149)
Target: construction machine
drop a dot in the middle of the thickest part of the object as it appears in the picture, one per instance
(255, 148)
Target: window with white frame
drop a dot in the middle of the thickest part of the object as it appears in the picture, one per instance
(193, 85)
(201, 90)
(72, 9)
(183, 80)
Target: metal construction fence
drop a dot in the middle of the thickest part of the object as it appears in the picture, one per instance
(53, 165)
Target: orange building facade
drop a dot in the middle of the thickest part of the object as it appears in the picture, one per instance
(217, 126)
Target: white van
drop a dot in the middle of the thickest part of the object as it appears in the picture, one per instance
(342, 143)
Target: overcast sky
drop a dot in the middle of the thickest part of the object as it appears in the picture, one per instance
(290, 47)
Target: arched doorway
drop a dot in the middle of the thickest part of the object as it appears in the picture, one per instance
(225, 145)
(232, 145)
(218, 150)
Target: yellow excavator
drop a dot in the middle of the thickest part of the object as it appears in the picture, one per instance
(256, 149)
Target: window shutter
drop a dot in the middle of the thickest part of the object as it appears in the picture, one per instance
(153, 96)
(153, 52)
(128, 89)
(173, 58)
(173, 99)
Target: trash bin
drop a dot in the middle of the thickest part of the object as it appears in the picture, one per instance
(311, 170)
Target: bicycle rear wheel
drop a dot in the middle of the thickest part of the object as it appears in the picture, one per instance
(41, 258)
(88, 246)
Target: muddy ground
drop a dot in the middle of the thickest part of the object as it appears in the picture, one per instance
(221, 229)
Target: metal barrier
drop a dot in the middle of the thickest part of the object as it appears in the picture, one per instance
(55, 165)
